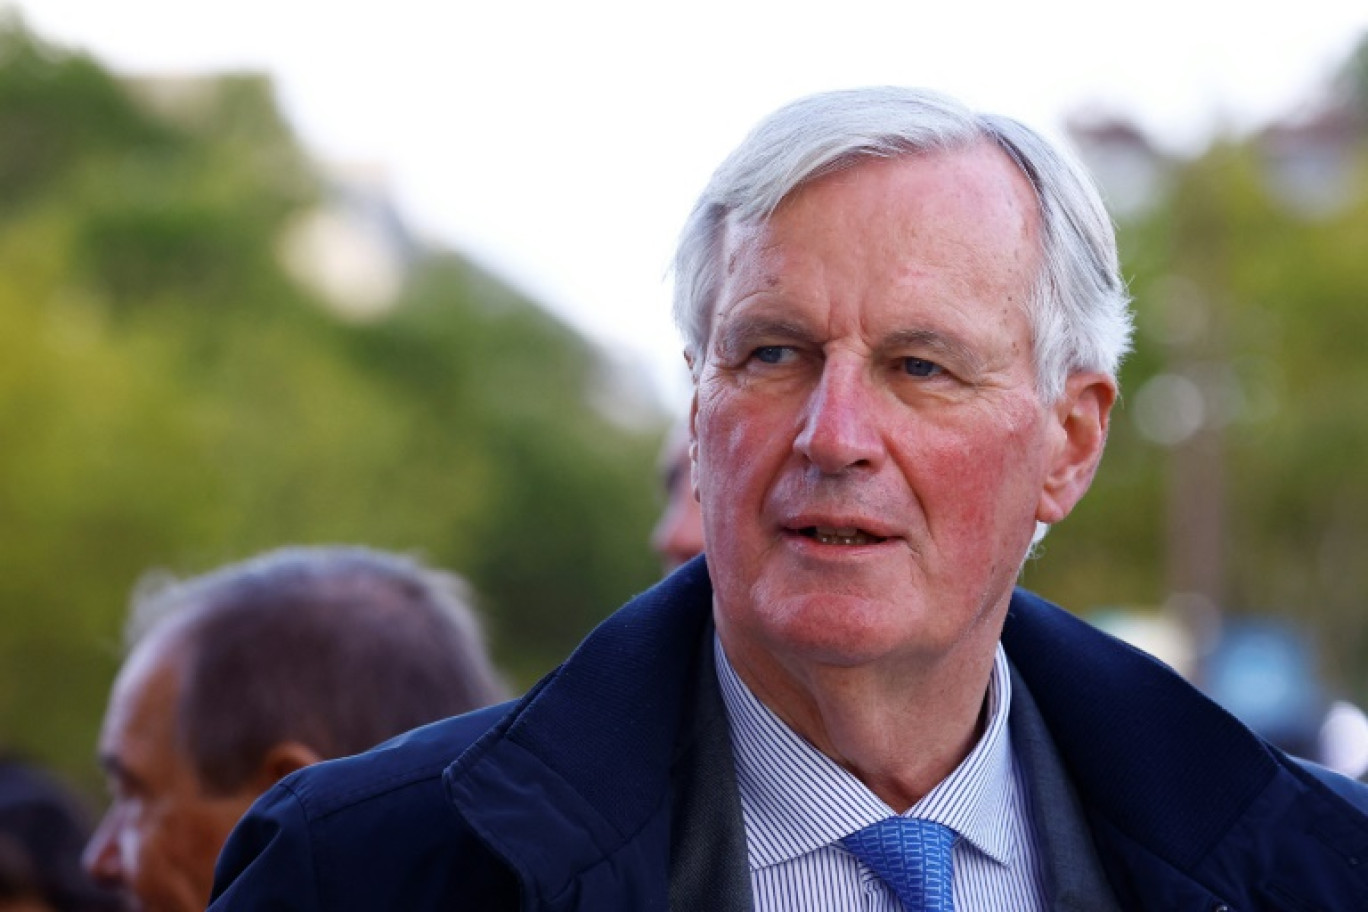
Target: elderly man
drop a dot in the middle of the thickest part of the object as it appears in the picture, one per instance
(903, 321)
(244, 675)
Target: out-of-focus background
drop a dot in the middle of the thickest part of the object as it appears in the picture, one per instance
(396, 275)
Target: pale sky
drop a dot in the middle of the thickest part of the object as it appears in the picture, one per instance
(562, 143)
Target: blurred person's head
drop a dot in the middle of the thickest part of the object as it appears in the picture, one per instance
(42, 829)
(678, 533)
(239, 677)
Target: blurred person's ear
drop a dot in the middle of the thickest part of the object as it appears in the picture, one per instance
(281, 760)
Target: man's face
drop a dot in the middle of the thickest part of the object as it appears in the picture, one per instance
(162, 833)
(872, 456)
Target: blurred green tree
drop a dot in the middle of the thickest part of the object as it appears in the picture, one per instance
(1248, 270)
(170, 397)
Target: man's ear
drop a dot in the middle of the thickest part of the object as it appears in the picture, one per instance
(282, 759)
(1083, 414)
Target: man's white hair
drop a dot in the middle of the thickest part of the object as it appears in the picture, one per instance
(1079, 307)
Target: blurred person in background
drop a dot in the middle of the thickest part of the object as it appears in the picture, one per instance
(237, 678)
(678, 534)
(42, 829)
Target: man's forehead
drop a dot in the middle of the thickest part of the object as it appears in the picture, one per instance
(146, 692)
(982, 172)
(966, 214)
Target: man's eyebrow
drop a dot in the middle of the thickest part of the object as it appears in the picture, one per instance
(742, 331)
(936, 342)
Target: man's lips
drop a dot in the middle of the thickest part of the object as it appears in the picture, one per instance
(840, 535)
(828, 535)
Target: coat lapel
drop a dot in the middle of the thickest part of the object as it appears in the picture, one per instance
(573, 789)
(708, 840)
(1073, 871)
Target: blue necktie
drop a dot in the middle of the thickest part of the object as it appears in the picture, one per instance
(913, 857)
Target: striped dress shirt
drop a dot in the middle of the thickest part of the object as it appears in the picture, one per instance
(797, 804)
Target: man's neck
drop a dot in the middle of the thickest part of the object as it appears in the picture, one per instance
(899, 728)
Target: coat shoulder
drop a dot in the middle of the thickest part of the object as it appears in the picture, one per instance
(390, 769)
(314, 841)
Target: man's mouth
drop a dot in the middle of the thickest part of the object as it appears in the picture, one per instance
(830, 535)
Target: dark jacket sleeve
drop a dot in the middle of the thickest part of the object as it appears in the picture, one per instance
(310, 847)
(368, 832)
(267, 864)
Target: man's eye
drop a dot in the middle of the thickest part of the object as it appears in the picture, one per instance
(770, 354)
(919, 367)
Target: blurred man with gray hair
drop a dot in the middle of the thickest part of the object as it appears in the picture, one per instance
(903, 320)
(678, 533)
(239, 677)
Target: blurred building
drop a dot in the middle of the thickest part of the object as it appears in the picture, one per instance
(352, 248)
(1309, 158)
(1310, 161)
(1130, 170)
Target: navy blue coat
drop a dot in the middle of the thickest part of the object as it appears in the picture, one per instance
(570, 799)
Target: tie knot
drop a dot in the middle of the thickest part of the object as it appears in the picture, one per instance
(913, 857)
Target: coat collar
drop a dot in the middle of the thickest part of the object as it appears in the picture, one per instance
(581, 766)
(1100, 698)
(1189, 808)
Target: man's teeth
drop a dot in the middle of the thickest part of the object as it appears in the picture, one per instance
(847, 536)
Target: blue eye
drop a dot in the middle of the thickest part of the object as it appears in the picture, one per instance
(918, 367)
(770, 354)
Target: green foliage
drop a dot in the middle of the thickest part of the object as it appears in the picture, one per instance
(170, 397)
(56, 109)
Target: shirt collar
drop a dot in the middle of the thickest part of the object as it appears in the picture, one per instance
(795, 799)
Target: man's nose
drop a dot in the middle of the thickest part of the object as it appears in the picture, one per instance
(101, 855)
(840, 429)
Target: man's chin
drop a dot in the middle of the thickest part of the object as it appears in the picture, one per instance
(842, 629)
